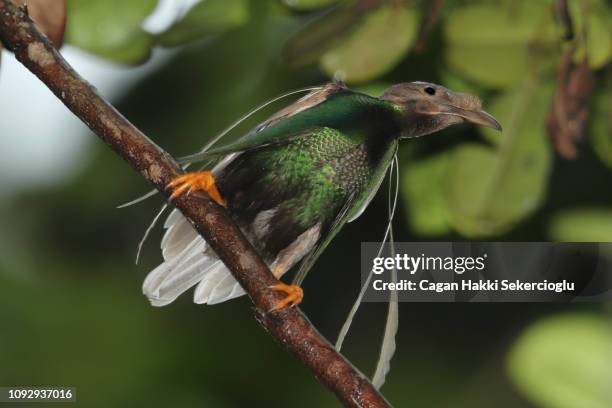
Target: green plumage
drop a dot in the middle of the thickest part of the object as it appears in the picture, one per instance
(308, 169)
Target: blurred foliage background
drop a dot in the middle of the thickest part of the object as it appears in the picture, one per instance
(71, 311)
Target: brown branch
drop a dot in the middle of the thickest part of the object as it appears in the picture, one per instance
(570, 108)
(427, 24)
(564, 18)
(288, 326)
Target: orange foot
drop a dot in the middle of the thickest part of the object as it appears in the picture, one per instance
(294, 297)
(197, 180)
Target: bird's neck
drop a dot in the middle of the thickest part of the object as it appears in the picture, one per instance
(382, 127)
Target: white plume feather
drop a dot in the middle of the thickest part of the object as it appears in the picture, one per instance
(388, 345)
(349, 319)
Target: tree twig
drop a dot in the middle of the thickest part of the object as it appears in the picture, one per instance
(564, 17)
(288, 326)
(427, 24)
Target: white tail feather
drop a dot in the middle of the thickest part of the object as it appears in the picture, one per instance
(225, 290)
(178, 235)
(157, 275)
(180, 241)
(217, 286)
(172, 219)
(237, 291)
(188, 262)
(172, 288)
(202, 291)
(173, 269)
(185, 276)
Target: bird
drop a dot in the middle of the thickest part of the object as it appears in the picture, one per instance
(292, 182)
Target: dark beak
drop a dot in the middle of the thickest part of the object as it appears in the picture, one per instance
(478, 117)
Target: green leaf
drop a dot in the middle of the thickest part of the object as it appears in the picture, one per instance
(601, 124)
(304, 5)
(459, 83)
(491, 44)
(582, 225)
(375, 46)
(325, 31)
(206, 18)
(491, 189)
(565, 362)
(423, 188)
(596, 41)
(375, 89)
(512, 106)
(111, 28)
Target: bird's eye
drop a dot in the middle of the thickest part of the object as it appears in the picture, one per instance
(430, 90)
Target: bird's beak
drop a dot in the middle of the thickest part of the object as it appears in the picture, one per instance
(477, 117)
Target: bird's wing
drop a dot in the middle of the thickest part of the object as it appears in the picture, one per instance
(316, 94)
(333, 106)
(353, 207)
(264, 134)
(310, 100)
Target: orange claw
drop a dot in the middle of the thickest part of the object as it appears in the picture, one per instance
(197, 180)
(294, 297)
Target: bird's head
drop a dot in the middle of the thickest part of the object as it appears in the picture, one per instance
(426, 108)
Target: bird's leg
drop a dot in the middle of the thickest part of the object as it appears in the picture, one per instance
(295, 294)
(197, 180)
(294, 297)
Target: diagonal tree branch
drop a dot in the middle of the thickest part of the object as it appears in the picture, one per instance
(288, 326)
